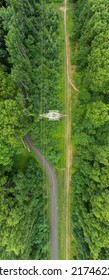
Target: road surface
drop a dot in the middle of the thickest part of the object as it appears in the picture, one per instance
(53, 195)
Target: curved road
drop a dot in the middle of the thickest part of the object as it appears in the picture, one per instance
(53, 195)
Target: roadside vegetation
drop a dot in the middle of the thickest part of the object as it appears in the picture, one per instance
(23, 211)
(90, 179)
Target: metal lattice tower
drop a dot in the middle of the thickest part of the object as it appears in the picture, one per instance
(52, 115)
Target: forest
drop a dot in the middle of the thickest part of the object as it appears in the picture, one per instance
(90, 133)
(29, 71)
(32, 82)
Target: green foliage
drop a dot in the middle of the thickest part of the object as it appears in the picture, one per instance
(91, 132)
(3, 51)
(31, 82)
(34, 46)
(13, 124)
(23, 217)
(30, 53)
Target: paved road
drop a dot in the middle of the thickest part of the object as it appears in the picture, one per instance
(53, 195)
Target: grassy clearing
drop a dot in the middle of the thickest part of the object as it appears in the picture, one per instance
(70, 13)
(55, 4)
(70, 26)
(59, 129)
(61, 172)
(61, 215)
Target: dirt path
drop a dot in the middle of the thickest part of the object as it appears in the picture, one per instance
(68, 64)
(68, 86)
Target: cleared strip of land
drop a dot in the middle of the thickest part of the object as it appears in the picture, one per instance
(69, 85)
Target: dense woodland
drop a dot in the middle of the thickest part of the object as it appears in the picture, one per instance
(29, 55)
(91, 130)
(24, 230)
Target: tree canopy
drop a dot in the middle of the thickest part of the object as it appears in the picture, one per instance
(91, 131)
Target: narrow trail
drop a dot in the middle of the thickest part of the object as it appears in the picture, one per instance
(68, 133)
(68, 86)
(67, 46)
(53, 195)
